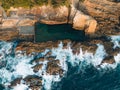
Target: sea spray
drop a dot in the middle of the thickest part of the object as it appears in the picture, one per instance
(115, 40)
(21, 87)
(20, 66)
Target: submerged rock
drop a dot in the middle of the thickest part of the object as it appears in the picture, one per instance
(15, 82)
(34, 82)
(37, 67)
(53, 68)
(109, 59)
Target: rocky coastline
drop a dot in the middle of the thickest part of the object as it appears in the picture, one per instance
(100, 20)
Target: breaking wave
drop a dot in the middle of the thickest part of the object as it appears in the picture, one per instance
(81, 71)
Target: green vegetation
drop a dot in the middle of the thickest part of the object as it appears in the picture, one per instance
(30, 3)
(22, 3)
(58, 2)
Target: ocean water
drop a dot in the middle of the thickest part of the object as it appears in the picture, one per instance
(82, 71)
(44, 32)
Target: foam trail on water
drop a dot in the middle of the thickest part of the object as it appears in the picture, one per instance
(15, 66)
(115, 40)
(100, 54)
(21, 87)
(66, 55)
(48, 81)
(5, 76)
(60, 54)
(117, 58)
(24, 69)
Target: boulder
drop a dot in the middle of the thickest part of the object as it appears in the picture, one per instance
(34, 82)
(53, 68)
(84, 22)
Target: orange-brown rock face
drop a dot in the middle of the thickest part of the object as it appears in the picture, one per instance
(0, 16)
(60, 15)
(95, 17)
(106, 13)
(84, 22)
(45, 14)
(9, 34)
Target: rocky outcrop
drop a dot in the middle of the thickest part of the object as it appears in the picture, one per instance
(17, 22)
(9, 23)
(53, 68)
(17, 29)
(2, 14)
(9, 34)
(80, 20)
(34, 82)
(44, 14)
(84, 22)
(59, 15)
(86, 46)
(107, 14)
(92, 16)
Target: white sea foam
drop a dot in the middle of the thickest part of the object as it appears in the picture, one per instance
(115, 40)
(20, 66)
(117, 58)
(66, 55)
(5, 76)
(24, 69)
(21, 87)
(48, 80)
(99, 55)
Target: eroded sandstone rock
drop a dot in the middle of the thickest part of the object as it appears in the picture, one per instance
(84, 22)
(9, 34)
(89, 15)
(59, 15)
(10, 23)
(107, 14)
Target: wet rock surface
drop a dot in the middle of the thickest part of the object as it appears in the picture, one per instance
(37, 67)
(15, 82)
(34, 82)
(86, 46)
(53, 68)
(30, 47)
